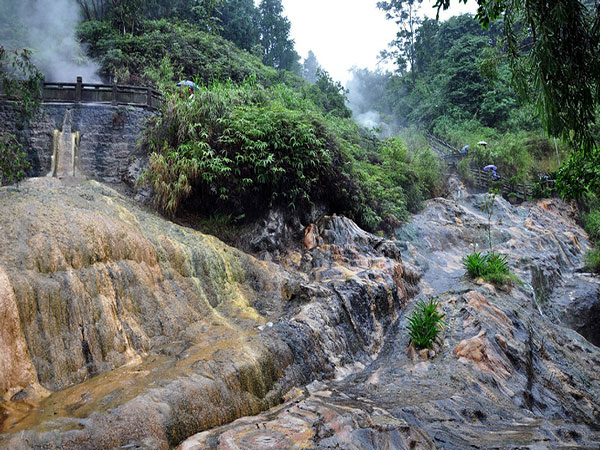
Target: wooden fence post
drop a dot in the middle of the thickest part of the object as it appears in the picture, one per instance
(114, 94)
(149, 97)
(78, 89)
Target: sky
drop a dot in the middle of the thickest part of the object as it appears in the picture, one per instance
(346, 33)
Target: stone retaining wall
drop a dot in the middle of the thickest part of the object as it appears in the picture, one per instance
(109, 136)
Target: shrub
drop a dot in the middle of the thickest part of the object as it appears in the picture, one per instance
(13, 160)
(243, 148)
(592, 225)
(592, 260)
(425, 323)
(491, 267)
(21, 80)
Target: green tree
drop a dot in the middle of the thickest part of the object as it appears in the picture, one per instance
(554, 52)
(126, 14)
(405, 14)
(310, 67)
(239, 21)
(278, 48)
(330, 95)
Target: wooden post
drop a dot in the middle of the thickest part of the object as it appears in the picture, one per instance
(149, 97)
(78, 89)
(114, 94)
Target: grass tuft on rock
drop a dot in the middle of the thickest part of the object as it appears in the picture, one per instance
(491, 267)
(425, 323)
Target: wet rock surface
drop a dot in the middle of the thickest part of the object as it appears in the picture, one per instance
(130, 331)
(109, 135)
(511, 373)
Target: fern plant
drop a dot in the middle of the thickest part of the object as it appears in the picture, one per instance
(425, 323)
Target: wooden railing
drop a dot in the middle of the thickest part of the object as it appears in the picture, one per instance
(112, 94)
(482, 179)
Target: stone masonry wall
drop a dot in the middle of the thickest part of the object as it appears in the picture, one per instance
(109, 136)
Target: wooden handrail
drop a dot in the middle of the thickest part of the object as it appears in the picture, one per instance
(483, 178)
(116, 94)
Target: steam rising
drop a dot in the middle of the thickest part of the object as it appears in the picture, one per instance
(366, 91)
(47, 27)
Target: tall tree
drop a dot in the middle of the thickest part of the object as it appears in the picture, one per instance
(240, 20)
(126, 14)
(405, 14)
(94, 9)
(278, 48)
(554, 51)
(310, 67)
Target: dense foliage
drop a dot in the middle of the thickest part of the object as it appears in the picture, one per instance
(20, 79)
(425, 323)
(458, 87)
(130, 58)
(13, 160)
(214, 39)
(242, 148)
(554, 54)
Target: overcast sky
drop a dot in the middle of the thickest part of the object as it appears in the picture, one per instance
(346, 33)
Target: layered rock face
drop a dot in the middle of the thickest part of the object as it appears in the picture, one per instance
(109, 134)
(123, 329)
(511, 372)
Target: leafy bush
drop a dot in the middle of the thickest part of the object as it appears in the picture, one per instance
(243, 148)
(21, 80)
(13, 160)
(592, 260)
(131, 57)
(491, 267)
(425, 323)
(592, 225)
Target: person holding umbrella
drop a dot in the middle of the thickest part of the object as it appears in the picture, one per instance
(493, 169)
(191, 86)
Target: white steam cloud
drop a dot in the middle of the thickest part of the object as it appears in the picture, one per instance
(48, 28)
(366, 90)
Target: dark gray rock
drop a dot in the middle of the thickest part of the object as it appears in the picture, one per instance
(109, 136)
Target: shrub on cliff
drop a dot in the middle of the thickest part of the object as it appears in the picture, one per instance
(425, 323)
(243, 148)
(13, 160)
(20, 80)
(491, 267)
(592, 260)
(592, 225)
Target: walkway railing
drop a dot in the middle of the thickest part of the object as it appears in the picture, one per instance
(483, 179)
(111, 94)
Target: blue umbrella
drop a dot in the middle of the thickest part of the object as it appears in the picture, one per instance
(465, 149)
(490, 167)
(188, 83)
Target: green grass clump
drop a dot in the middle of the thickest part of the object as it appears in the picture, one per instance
(492, 267)
(475, 264)
(592, 225)
(425, 323)
(592, 260)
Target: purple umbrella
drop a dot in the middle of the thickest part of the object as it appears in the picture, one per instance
(490, 167)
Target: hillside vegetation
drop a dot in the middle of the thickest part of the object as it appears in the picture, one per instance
(243, 148)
